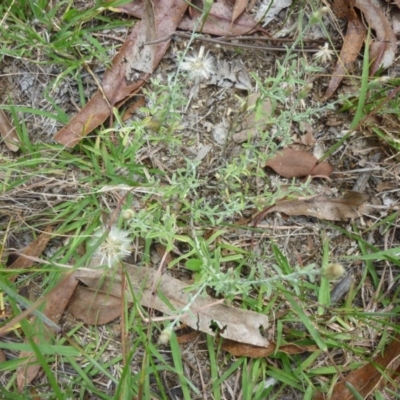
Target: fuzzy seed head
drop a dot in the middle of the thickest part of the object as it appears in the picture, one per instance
(324, 55)
(198, 66)
(115, 247)
(165, 335)
(128, 214)
(333, 271)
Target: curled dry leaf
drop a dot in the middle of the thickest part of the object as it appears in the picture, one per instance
(205, 312)
(292, 163)
(116, 87)
(218, 21)
(240, 349)
(367, 378)
(383, 49)
(332, 209)
(94, 307)
(238, 9)
(35, 249)
(344, 9)
(8, 133)
(56, 301)
(352, 43)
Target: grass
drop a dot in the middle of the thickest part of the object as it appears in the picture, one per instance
(144, 166)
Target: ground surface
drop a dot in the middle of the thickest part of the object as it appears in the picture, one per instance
(188, 177)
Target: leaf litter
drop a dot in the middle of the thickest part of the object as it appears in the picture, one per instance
(345, 208)
(203, 314)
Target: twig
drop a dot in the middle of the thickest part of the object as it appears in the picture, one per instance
(226, 43)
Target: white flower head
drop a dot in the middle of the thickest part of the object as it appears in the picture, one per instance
(324, 55)
(115, 247)
(199, 66)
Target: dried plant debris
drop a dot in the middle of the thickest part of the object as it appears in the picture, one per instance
(199, 312)
(291, 163)
(344, 208)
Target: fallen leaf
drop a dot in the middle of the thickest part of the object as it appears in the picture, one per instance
(258, 113)
(352, 44)
(56, 301)
(240, 349)
(269, 9)
(292, 163)
(368, 377)
(344, 9)
(204, 313)
(238, 9)
(8, 133)
(132, 108)
(383, 49)
(35, 249)
(116, 88)
(94, 307)
(218, 22)
(188, 337)
(332, 209)
(142, 56)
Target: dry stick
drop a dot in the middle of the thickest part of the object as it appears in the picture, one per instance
(224, 43)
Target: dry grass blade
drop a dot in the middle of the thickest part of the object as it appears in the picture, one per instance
(200, 313)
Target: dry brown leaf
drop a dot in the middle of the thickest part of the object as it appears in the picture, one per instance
(238, 9)
(35, 249)
(332, 209)
(161, 251)
(116, 88)
(240, 349)
(94, 307)
(368, 377)
(383, 50)
(344, 9)
(188, 337)
(292, 163)
(218, 21)
(56, 301)
(352, 44)
(2, 356)
(141, 58)
(7, 132)
(205, 312)
(132, 108)
(258, 114)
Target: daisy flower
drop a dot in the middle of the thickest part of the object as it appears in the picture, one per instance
(198, 66)
(115, 247)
